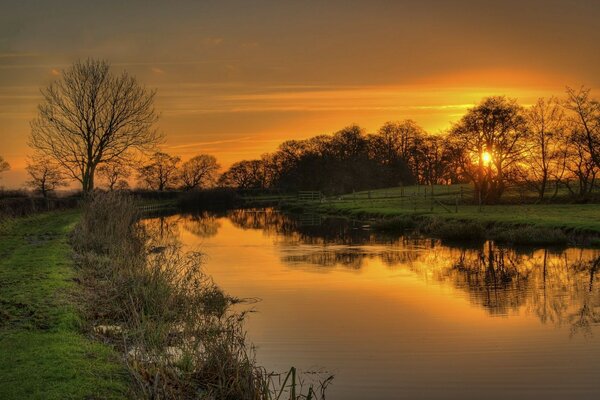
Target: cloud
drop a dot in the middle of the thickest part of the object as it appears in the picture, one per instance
(157, 70)
(55, 72)
(18, 55)
(212, 41)
(210, 143)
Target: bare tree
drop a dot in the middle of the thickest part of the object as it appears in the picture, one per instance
(245, 175)
(46, 176)
(160, 173)
(199, 171)
(585, 114)
(545, 157)
(114, 174)
(580, 162)
(92, 117)
(4, 166)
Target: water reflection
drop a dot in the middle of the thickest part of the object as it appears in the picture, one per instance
(557, 286)
(394, 311)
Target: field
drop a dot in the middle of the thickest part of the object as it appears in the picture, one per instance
(44, 353)
(454, 202)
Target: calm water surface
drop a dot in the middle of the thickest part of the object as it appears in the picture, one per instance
(394, 317)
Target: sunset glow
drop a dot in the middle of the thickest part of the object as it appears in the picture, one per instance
(235, 89)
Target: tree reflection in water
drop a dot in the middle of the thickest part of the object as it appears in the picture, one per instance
(557, 286)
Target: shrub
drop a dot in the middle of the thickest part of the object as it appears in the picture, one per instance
(530, 235)
(454, 230)
(401, 223)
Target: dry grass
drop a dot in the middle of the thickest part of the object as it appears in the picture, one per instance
(174, 326)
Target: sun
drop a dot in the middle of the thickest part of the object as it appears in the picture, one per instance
(486, 157)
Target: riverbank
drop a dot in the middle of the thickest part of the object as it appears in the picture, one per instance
(45, 355)
(440, 216)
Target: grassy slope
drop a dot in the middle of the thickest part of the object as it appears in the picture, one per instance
(584, 217)
(43, 354)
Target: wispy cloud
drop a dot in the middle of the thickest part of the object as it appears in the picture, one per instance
(210, 143)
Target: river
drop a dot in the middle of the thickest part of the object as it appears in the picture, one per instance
(401, 317)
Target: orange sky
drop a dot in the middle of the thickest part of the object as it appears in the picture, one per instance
(235, 78)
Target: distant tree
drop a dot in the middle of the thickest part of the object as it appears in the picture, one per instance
(585, 115)
(433, 160)
(160, 173)
(92, 117)
(493, 136)
(402, 141)
(46, 175)
(245, 175)
(4, 166)
(122, 184)
(546, 151)
(114, 174)
(199, 171)
(580, 162)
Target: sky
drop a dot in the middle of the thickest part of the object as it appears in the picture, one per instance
(236, 78)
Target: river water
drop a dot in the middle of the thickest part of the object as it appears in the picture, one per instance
(395, 317)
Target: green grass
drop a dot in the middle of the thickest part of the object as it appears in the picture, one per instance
(571, 217)
(44, 355)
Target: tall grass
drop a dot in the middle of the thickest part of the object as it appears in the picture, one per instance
(175, 327)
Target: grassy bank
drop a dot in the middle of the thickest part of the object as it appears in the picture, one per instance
(44, 355)
(449, 210)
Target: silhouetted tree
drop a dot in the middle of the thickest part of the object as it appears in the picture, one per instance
(91, 117)
(4, 166)
(580, 162)
(199, 171)
(46, 176)
(585, 115)
(115, 174)
(245, 175)
(160, 173)
(546, 150)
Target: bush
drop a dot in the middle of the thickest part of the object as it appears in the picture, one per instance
(530, 235)
(453, 229)
(401, 223)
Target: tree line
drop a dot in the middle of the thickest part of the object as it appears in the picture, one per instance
(95, 123)
(496, 143)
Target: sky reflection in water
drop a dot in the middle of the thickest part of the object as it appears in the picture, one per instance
(400, 317)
